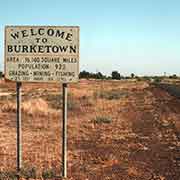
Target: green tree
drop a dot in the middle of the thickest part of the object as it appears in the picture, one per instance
(174, 76)
(1, 74)
(84, 74)
(132, 75)
(115, 75)
(87, 75)
(99, 75)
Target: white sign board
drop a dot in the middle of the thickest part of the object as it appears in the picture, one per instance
(42, 53)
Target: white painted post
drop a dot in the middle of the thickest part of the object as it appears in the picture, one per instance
(64, 132)
(18, 121)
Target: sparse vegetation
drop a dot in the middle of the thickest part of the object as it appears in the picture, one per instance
(170, 88)
(146, 78)
(174, 76)
(110, 94)
(86, 100)
(28, 172)
(72, 104)
(110, 120)
(54, 100)
(102, 120)
(8, 175)
(48, 174)
(157, 79)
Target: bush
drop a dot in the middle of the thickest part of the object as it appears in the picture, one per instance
(47, 174)
(28, 173)
(54, 100)
(72, 104)
(157, 79)
(172, 89)
(110, 95)
(138, 78)
(8, 175)
(86, 100)
(174, 76)
(102, 119)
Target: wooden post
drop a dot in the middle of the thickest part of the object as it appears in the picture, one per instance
(64, 132)
(18, 120)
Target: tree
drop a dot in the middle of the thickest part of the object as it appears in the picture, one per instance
(115, 75)
(174, 76)
(1, 74)
(132, 75)
(99, 75)
(87, 75)
(84, 74)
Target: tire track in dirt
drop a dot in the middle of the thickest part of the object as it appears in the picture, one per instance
(156, 132)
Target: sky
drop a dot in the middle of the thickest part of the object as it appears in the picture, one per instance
(130, 36)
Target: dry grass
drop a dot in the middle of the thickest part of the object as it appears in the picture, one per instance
(132, 171)
(110, 94)
(30, 107)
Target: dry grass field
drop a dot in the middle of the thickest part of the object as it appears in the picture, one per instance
(117, 130)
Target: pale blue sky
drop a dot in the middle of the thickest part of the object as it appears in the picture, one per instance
(140, 36)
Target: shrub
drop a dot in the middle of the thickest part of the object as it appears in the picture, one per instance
(28, 173)
(110, 95)
(146, 78)
(174, 76)
(8, 175)
(47, 174)
(86, 100)
(54, 100)
(157, 79)
(72, 104)
(102, 119)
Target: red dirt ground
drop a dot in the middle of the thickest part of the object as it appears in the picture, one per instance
(140, 141)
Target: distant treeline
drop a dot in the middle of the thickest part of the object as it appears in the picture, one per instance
(116, 75)
(99, 75)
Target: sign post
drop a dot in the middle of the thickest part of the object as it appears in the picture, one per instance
(64, 132)
(18, 120)
(42, 54)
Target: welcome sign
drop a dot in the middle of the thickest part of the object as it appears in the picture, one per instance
(42, 53)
